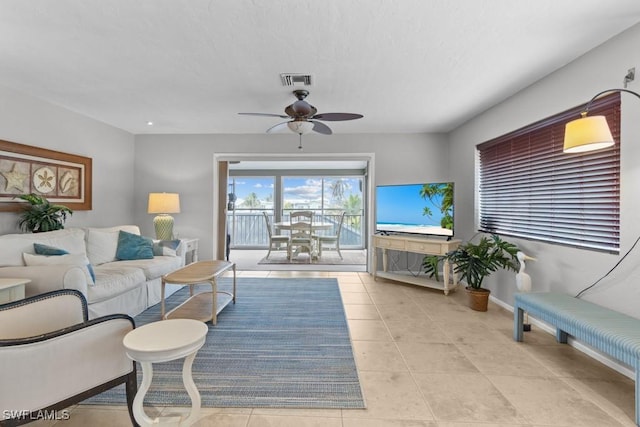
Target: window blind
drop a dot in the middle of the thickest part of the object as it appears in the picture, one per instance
(529, 188)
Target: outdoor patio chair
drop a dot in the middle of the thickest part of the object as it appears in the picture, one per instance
(276, 241)
(333, 240)
(301, 233)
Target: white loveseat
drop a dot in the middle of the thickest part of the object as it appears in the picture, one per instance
(127, 287)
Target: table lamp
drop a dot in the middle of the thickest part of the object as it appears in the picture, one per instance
(164, 204)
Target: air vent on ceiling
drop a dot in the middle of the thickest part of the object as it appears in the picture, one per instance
(295, 79)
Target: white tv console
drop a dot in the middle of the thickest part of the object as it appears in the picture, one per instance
(417, 245)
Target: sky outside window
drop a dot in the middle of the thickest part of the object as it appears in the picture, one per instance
(298, 192)
(253, 192)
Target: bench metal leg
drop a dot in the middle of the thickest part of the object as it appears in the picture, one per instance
(561, 336)
(518, 317)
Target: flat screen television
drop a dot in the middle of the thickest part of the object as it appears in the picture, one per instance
(425, 208)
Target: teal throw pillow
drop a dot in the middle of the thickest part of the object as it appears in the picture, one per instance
(131, 246)
(41, 249)
(165, 247)
(47, 250)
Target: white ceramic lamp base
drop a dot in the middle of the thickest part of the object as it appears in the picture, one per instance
(163, 224)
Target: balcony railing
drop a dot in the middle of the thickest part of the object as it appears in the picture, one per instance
(248, 229)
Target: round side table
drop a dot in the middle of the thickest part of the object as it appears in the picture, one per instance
(161, 342)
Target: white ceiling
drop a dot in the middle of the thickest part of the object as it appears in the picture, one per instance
(191, 65)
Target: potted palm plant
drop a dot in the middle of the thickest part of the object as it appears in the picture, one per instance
(474, 262)
(40, 215)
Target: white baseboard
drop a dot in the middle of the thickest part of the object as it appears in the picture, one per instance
(585, 348)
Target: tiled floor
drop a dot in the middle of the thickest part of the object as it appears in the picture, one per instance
(425, 359)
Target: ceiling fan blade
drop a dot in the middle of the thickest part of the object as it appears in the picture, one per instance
(321, 128)
(278, 127)
(264, 114)
(336, 117)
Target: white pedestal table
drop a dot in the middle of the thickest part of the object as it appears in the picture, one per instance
(161, 342)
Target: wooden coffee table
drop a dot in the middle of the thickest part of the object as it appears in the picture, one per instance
(203, 306)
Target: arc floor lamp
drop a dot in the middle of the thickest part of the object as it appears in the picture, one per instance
(590, 133)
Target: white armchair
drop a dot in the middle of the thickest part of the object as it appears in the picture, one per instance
(52, 357)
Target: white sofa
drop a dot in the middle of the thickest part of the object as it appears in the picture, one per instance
(127, 287)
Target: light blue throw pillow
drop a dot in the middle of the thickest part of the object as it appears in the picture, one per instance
(165, 247)
(47, 250)
(41, 249)
(131, 246)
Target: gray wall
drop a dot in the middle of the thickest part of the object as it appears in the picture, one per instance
(30, 121)
(185, 164)
(561, 268)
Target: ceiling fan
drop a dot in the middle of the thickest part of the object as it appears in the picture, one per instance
(304, 118)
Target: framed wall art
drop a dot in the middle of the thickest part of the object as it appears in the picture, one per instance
(60, 177)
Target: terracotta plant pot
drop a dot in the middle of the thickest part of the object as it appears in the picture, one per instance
(478, 298)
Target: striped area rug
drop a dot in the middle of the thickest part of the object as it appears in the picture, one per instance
(284, 344)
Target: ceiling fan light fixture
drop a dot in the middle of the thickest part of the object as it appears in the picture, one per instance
(304, 118)
(300, 126)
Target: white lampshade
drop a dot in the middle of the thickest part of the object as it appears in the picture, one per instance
(300, 126)
(587, 133)
(164, 203)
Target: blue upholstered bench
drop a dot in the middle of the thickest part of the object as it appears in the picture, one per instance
(613, 333)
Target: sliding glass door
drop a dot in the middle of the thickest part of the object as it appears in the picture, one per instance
(328, 197)
(248, 197)
(280, 193)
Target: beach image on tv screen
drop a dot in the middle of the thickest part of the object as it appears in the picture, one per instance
(415, 208)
